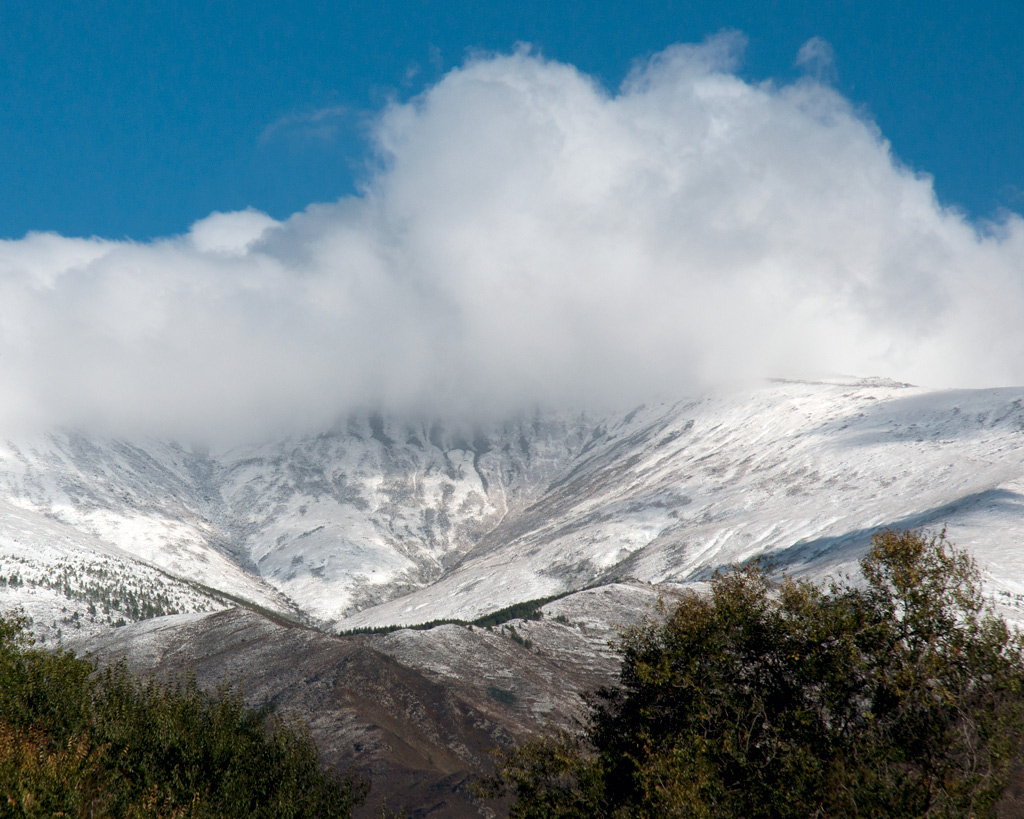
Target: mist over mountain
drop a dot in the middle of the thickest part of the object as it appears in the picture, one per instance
(529, 239)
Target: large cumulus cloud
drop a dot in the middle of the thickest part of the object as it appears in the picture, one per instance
(529, 238)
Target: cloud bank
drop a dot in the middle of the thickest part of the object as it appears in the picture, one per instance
(530, 238)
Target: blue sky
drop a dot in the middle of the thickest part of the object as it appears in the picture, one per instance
(135, 119)
(246, 218)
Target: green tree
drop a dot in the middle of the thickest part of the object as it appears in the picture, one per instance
(75, 742)
(900, 697)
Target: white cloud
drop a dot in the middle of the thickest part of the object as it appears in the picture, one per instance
(320, 124)
(232, 233)
(530, 238)
(818, 58)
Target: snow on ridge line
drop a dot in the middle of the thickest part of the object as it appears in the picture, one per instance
(380, 518)
(803, 471)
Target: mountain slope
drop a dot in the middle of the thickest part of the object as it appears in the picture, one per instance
(416, 712)
(390, 520)
(801, 472)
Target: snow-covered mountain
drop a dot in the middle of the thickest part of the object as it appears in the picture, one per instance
(388, 520)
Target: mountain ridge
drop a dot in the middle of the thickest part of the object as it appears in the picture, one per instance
(387, 521)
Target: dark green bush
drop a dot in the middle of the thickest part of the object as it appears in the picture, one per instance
(79, 743)
(901, 698)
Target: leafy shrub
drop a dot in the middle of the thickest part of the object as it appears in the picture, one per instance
(902, 698)
(79, 743)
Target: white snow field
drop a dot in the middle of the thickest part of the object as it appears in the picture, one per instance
(385, 520)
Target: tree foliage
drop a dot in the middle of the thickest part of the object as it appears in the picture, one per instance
(899, 697)
(79, 743)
